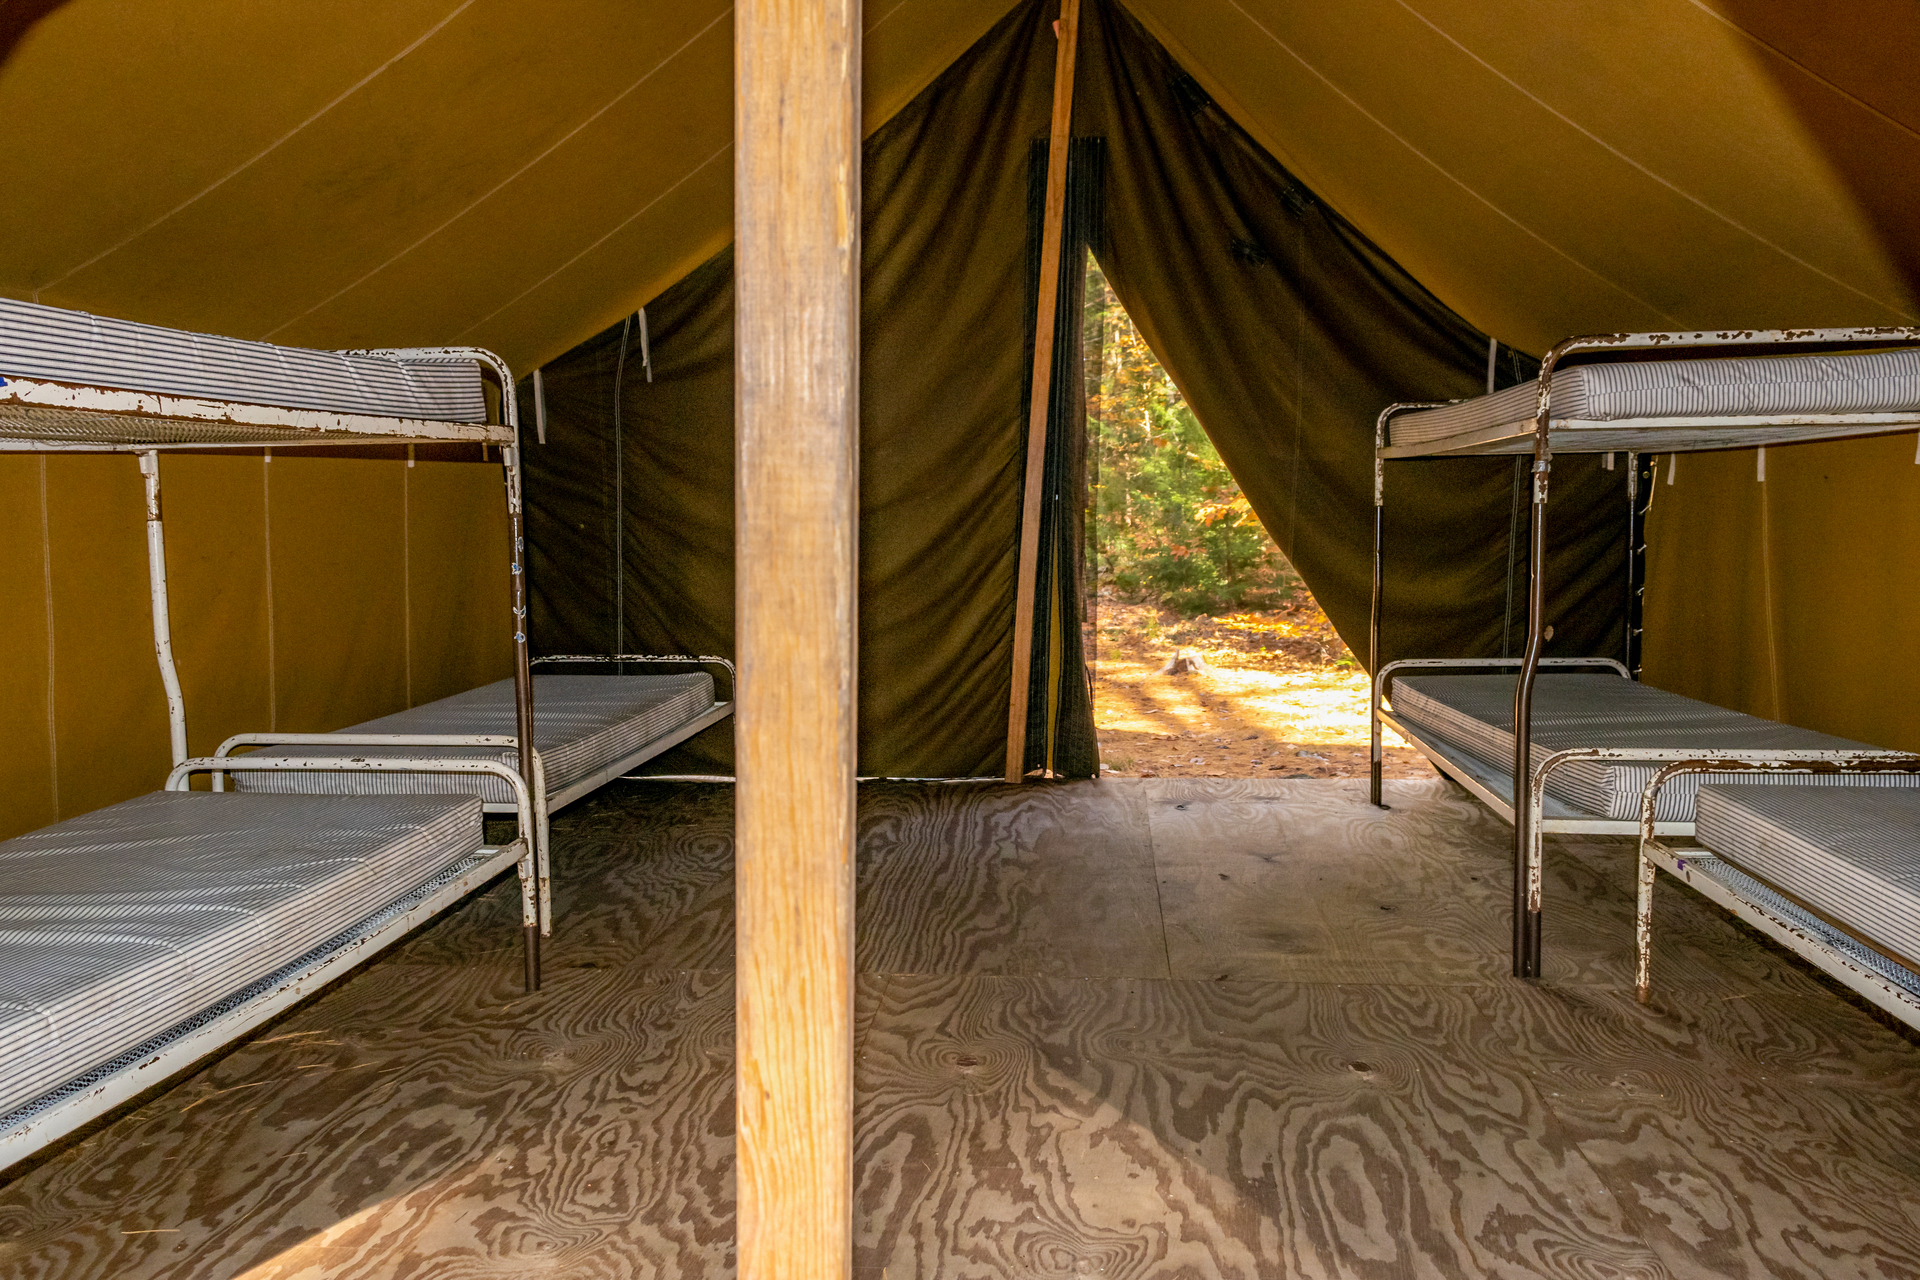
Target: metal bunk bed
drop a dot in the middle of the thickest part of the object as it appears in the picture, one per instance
(591, 730)
(148, 934)
(1833, 879)
(1641, 409)
(155, 930)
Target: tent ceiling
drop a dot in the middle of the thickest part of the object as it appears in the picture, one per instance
(388, 172)
(1591, 164)
(519, 175)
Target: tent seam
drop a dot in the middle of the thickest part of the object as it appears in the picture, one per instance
(883, 17)
(513, 177)
(1382, 125)
(620, 226)
(258, 156)
(1805, 70)
(1622, 156)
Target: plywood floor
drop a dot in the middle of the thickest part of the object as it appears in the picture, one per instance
(1138, 1028)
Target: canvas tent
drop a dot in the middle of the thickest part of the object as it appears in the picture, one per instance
(1222, 255)
(1402, 177)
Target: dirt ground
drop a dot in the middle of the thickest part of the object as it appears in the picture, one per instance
(1279, 696)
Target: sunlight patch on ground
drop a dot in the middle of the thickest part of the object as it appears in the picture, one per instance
(1280, 695)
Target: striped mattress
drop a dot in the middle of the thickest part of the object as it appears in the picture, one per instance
(1475, 713)
(581, 724)
(72, 346)
(117, 925)
(1730, 387)
(1852, 857)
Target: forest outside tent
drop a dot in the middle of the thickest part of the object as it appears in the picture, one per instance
(1167, 520)
(1210, 657)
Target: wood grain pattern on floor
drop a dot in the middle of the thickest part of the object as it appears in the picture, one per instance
(1140, 1029)
(642, 875)
(1764, 1135)
(966, 878)
(1019, 1126)
(1305, 881)
(420, 1120)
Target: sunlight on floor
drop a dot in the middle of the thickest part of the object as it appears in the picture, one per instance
(1279, 695)
(1323, 708)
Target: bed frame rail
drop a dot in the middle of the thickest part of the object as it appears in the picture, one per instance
(537, 898)
(531, 897)
(1383, 676)
(1798, 928)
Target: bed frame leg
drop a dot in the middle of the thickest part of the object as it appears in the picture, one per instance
(1373, 621)
(1643, 930)
(530, 916)
(1527, 853)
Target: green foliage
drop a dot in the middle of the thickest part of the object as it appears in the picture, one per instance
(1168, 523)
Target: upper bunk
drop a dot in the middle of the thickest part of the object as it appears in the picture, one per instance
(70, 381)
(1643, 401)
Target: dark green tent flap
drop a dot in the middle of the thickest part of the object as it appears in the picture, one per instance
(1288, 332)
(942, 436)
(1286, 329)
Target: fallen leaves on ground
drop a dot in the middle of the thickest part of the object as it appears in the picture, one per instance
(1281, 696)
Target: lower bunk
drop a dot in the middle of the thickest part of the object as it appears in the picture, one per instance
(1470, 717)
(1833, 876)
(137, 939)
(1597, 743)
(587, 731)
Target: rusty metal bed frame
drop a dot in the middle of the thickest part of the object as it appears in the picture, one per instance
(40, 415)
(1854, 959)
(537, 901)
(139, 1067)
(1527, 808)
(46, 416)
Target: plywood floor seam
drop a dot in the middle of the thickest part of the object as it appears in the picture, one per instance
(1140, 796)
(1137, 1028)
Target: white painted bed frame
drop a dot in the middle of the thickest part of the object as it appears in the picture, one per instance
(1542, 437)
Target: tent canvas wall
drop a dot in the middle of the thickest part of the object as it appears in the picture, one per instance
(307, 593)
(1285, 328)
(523, 177)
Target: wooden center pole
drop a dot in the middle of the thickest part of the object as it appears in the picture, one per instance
(1053, 224)
(797, 223)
